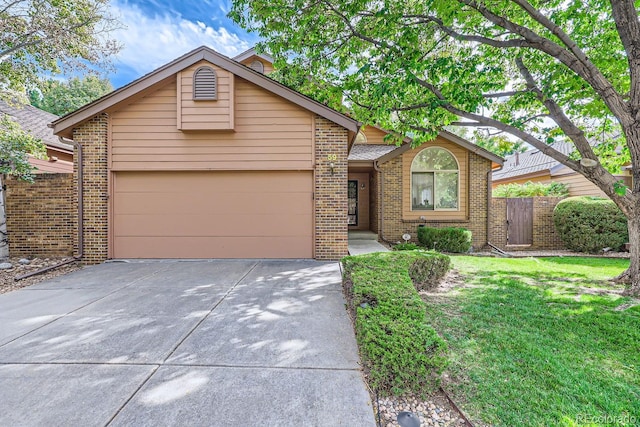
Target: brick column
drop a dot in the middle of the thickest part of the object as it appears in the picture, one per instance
(92, 135)
(331, 142)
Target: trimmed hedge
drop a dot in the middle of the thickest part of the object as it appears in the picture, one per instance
(402, 353)
(531, 189)
(405, 247)
(590, 224)
(446, 239)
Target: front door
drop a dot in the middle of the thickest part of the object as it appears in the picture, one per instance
(352, 197)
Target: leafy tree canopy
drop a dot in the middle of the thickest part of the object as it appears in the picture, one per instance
(51, 36)
(60, 98)
(539, 70)
(14, 146)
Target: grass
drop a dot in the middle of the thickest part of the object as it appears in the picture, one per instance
(539, 342)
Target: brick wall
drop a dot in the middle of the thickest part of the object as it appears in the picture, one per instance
(394, 226)
(544, 231)
(93, 137)
(330, 190)
(374, 191)
(41, 220)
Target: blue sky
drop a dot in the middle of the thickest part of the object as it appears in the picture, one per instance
(158, 31)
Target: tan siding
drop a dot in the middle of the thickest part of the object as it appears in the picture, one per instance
(270, 133)
(461, 155)
(545, 179)
(196, 115)
(579, 185)
(374, 135)
(268, 66)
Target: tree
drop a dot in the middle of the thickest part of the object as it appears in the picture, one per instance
(496, 143)
(14, 160)
(38, 37)
(540, 70)
(60, 98)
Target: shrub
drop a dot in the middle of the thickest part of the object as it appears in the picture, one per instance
(531, 189)
(405, 247)
(447, 239)
(427, 272)
(590, 224)
(401, 352)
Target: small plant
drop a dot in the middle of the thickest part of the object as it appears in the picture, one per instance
(447, 239)
(532, 189)
(590, 224)
(427, 272)
(408, 246)
(401, 352)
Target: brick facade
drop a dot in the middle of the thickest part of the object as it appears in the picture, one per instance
(545, 236)
(330, 194)
(41, 220)
(93, 136)
(390, 212)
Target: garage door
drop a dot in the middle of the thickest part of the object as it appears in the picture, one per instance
(212, 215)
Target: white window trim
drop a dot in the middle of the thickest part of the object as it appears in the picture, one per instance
(434, 182)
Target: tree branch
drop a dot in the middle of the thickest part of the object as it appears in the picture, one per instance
(557, 114)
(582, 67)
(598, 175)
(626, 18)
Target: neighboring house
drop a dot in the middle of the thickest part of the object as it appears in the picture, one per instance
(535, 166)
(206, 157)
(35, 121)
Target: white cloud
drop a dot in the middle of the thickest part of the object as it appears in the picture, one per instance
(152, 41)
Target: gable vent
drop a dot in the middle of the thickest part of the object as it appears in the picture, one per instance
(205, 84)
(257, 66)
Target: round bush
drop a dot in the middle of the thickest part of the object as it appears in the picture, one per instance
(590, 224)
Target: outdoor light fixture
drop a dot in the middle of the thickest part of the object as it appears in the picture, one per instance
(332, 168)
(588, 163)
(408, 419)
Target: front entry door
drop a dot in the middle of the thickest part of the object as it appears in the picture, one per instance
(352, 197)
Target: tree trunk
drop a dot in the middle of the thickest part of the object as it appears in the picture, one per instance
(632, 275)
(4, 238)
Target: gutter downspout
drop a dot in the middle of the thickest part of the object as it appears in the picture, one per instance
(80, 217)
(489, 197)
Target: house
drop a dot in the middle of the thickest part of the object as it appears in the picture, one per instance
(394, 190)
(207, 157)
(535, 166)
(35, 121)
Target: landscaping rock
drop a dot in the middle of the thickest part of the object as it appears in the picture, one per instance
(17, 268)
(435, 411)
(24, 261)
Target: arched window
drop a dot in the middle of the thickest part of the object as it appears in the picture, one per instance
(257, 66)
(205, 84)
(434, 180)
(361, 138)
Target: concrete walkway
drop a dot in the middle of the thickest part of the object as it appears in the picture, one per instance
(209, 343)
(364, 242)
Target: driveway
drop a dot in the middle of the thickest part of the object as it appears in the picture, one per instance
(184, 343)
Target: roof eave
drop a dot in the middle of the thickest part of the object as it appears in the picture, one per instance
(64, 124)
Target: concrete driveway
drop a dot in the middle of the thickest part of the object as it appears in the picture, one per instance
(190, 343)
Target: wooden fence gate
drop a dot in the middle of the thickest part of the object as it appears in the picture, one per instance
(520, 221)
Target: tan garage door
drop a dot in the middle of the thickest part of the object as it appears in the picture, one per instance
(212, 215)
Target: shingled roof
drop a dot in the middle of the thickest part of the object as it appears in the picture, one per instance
(368, 152)
(530, 162)
(35, 121)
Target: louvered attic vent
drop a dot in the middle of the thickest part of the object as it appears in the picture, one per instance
(205, 84)
(258, 66)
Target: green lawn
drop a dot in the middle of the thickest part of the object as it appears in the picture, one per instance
(539, 342)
